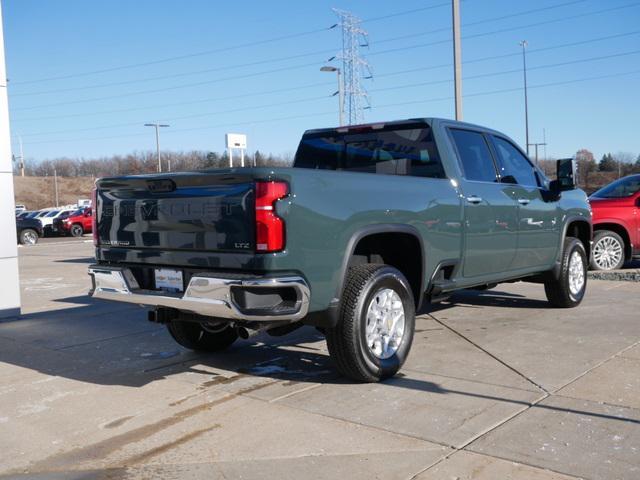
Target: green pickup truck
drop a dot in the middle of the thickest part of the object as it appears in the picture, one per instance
(372, 223)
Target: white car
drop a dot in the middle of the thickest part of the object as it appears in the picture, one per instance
(48, 218)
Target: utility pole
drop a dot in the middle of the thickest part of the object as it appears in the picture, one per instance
(55, 184)
(457, 58)
(339, 92)
(21, 164)
(157, 127)
(354, 67)
(524, 44)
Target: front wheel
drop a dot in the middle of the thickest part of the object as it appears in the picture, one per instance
(608, 251)
(375, 330)
(202, 337)
(569, 288)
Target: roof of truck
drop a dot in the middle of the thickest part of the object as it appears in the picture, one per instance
(409, 121)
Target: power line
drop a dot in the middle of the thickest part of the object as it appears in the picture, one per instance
(397, 87)
(215, 50)
(332, 112)
(308, 54)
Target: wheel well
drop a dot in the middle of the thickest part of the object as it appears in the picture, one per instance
(620, 230)
(400, 250)
(582, 232)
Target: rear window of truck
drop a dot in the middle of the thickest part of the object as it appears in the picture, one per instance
(409, 150)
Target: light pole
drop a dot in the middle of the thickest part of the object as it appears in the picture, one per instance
(457, 58)
(536, 145)
(340, 92)
(157, 127)
(524, 44)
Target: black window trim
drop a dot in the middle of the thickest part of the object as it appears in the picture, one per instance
(459, 157)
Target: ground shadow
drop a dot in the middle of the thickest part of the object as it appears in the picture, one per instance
(87, 260)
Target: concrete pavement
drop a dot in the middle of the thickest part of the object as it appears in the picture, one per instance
(498, 385)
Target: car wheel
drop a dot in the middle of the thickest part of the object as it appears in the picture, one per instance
(608, 251)
(28, 237)
(76, 230)
(569, 288)
(375, 330)
(201, 337)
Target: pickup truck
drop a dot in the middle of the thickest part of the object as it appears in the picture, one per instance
(371, 223)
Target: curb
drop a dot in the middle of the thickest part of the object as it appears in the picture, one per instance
(616, 275)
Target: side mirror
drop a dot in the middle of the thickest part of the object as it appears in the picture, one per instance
(566, 177)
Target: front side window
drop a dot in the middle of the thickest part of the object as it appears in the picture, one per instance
(514, 166)
(625, 187)
(474, 154)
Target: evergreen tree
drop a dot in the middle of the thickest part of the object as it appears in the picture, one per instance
(608, 164)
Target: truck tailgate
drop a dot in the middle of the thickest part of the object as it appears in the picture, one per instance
(198, 211)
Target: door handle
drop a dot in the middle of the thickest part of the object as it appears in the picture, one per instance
(474, 199)
(524, 201)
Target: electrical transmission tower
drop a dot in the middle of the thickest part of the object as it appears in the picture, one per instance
(354, 67)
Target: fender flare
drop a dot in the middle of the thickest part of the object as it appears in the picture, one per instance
(557, 267)
(373, 229)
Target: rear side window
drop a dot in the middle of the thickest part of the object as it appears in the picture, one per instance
(625, 187)
(392, 151)
(477, 163)
(514, 164)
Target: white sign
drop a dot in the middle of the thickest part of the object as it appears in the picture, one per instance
(236, 140)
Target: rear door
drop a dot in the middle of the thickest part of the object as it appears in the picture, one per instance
(490, 213)
(538, 223)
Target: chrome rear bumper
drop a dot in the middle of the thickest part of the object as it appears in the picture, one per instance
(206, 295)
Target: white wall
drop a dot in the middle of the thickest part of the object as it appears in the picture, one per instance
(9, 281)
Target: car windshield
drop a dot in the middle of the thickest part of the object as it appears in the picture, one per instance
(52, 213)
(41, 214)
(625, 187)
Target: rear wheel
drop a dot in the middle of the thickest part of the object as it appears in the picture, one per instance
(568, 289)
(202, 337)
(28, 236)
(608, 251)
(76, 230)
(375, 329)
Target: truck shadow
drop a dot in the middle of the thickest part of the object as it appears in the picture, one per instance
(106, 344)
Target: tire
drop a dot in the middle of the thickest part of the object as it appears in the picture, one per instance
(608, 251)
(568, 290)
(76, 230)
(193, 336)
(28, 236)
(349, 341)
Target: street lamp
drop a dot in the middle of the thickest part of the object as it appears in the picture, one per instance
(524, 45)
(157, 127)
(340, 91)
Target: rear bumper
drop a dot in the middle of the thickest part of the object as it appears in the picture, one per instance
(207, 294)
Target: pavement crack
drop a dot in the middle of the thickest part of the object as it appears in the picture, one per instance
(497, 359)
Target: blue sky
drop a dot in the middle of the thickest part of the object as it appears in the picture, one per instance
(584, 60)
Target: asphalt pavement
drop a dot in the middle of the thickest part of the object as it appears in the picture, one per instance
(498, 385)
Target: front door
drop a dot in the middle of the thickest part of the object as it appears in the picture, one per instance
(490, 214)
(538, 220)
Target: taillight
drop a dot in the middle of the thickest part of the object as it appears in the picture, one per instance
(269, 226)
(94, 215)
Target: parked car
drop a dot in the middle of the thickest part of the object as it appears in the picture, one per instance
(370, 223)
(75, 224)
(48, 219)
(616, 223)
(28, 230)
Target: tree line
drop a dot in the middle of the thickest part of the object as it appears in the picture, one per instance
(144, 162)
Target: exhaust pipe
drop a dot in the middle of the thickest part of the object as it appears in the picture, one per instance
(245, 332)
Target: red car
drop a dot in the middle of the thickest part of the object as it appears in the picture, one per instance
(616, 223)
(76, 224)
